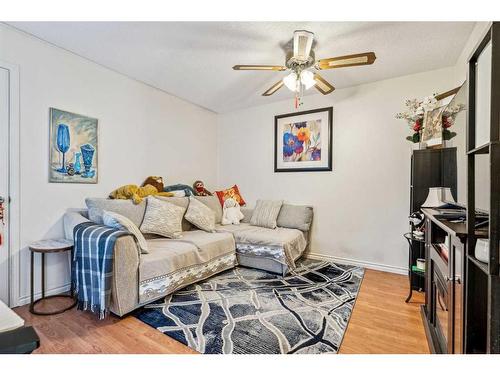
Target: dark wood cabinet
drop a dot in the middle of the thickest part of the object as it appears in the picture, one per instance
(443, 312)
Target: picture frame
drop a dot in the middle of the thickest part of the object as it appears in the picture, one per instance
(433, 128)
(73, 147)
(303, 141)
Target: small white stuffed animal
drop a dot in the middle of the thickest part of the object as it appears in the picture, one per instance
(231, 213)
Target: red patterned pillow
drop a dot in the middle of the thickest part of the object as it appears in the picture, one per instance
(232, 192)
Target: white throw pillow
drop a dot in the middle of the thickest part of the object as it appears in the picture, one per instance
(162, 218)
(114, 220)
(200, 215)
(266, 213)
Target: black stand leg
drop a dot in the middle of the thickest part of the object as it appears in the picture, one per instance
(32, 292)
(410, 258)
(43, 275)
(411, 289)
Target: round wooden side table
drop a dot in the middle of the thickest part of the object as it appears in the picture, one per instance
(46, 247)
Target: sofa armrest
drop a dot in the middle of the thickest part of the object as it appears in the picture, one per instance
(125, 281)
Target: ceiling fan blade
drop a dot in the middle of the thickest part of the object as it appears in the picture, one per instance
(322, 85)
(366, 58)
(302, 44)
(273, 88)
(259, 67)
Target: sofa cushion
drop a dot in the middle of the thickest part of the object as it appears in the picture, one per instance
(163, 218)
(291, 241)
(212, 202)
(181, 202)
(172, 263)
(296, 217)
(265, 213)
(127, 208)
(247, 214)
(200, 215)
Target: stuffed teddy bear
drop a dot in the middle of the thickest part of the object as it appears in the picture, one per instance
(199, 189)
(231, 213)
(136, 193)
(155, 181)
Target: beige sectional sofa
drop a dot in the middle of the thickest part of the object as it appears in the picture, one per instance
(174, 263)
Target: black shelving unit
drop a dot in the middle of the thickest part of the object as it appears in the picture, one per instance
(482, 309)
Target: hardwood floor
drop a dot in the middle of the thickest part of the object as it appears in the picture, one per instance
(381, 323)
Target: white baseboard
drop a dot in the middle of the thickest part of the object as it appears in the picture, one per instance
(57, 290)
(361, 263)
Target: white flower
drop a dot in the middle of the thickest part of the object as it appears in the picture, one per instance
(429, 103)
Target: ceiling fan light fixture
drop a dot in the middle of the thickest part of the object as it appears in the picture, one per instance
(302, 44)
(307, 79)
(290, 81)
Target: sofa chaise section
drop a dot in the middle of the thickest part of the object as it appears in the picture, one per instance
(174, 263)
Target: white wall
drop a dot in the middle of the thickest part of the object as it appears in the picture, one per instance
(361, 207)
(142, 131)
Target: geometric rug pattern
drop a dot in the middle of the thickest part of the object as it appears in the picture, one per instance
(249, 311)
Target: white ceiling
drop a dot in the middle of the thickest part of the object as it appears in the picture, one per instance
(193, 60)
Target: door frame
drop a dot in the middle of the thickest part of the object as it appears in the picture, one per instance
(14, 183)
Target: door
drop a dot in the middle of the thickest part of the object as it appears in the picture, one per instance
(4, 185)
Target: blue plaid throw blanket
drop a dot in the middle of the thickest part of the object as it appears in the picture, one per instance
(93, 266)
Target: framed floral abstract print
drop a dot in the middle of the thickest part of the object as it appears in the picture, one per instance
(303, 141)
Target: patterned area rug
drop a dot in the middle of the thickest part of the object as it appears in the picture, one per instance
(247, 311)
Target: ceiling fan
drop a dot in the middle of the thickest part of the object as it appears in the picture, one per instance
(300, 61)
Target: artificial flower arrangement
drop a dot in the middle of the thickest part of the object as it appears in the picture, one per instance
(448, 119)
(414, 116)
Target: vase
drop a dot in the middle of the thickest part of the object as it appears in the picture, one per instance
(87, 155)
(77, 166)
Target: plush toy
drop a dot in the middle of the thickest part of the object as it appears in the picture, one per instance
(136, 193)
(155, 181)
(188, 190)
(231, 213)
(199, 189)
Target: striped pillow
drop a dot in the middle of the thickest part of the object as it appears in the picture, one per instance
(266, 213)
(114, 220)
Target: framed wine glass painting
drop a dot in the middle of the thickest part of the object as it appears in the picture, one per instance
(303, 141)
(73, 148)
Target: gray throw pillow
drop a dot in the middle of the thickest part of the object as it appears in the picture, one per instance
(200, 215)
(162, 218)
(266, 213)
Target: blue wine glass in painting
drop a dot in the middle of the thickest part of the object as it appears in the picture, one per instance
(87, 155)
(63, 144)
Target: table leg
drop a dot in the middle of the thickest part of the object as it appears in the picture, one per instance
(43, 275)
(71, 293)
(32, 292)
